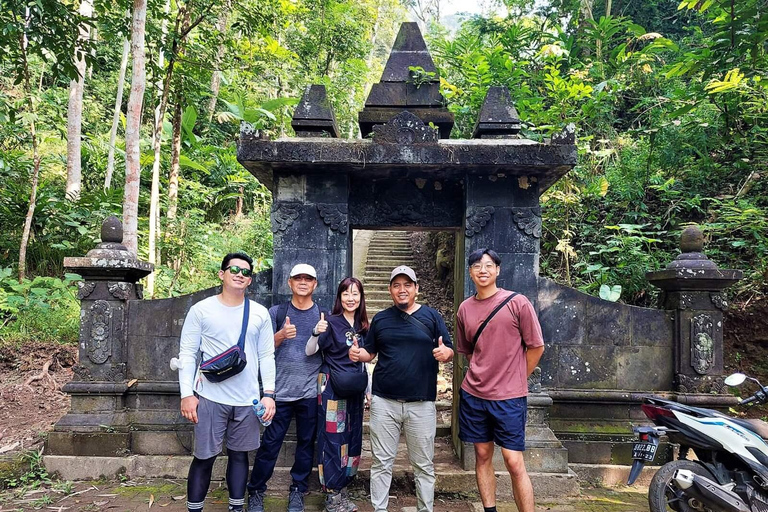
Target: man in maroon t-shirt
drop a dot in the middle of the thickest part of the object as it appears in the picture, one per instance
(493, 404)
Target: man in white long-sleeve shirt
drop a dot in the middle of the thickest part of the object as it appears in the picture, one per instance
(223, 409)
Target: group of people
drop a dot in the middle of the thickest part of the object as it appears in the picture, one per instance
(304, 363)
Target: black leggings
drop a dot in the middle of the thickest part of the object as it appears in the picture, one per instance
(199, 480)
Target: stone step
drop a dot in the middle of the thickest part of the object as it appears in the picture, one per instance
(389, 244)
(450, 478)
(389, 250)
(386, 267)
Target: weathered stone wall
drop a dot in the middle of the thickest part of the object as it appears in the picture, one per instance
(596, 344)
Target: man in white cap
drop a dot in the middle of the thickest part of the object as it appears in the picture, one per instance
(411, 341)
(295, 389)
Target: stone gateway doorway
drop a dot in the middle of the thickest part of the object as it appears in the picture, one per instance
(404, 175)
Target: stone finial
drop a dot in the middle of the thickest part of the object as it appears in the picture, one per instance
(692, 239)
(112, 230)
(691, 247)
(408, 50)
(402, 88)
(498, 117)
(110, 259)
(314, 115)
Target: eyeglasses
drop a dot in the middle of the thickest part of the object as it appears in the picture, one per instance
(477, 267)
(234, 269)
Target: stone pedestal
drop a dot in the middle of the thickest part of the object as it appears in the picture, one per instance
(97, 422)
(693, 287)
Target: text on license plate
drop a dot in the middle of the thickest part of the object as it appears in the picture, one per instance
(644, 451)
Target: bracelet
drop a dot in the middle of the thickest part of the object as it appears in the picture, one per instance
(315, 334)
(268, 395)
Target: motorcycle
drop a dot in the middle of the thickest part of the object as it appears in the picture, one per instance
(731, 470)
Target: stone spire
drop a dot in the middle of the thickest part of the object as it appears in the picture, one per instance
(401, 88)
(314, 116)
(498, 117)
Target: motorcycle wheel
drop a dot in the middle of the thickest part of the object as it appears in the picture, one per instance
(663, 496)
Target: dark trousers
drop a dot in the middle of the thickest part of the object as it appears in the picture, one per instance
(305, 411)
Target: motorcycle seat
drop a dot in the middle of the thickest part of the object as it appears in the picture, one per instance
(759, 427)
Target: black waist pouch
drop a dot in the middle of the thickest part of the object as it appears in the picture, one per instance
(230, 362)
(349, 384)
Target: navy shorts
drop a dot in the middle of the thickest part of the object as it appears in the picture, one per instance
(501, 421)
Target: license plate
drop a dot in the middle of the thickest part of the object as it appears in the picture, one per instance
(644, 450)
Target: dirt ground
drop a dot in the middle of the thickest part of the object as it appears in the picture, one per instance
(169, 496)
(31, 400)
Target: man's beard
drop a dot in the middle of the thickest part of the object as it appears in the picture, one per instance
(403, 307)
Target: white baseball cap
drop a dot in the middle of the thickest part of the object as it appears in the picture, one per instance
(406, 271)
(303, 268)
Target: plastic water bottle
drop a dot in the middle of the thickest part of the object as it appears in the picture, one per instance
(176, 364)
(259, 410)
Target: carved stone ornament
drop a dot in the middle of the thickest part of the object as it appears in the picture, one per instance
(710, 384)
(99, 341)
(82, 372)
(114, 373)
(534, 381)
(719, 301)
(119, 290)
(528, 220)
(284, 215)
(405, 129)
(84, 289)
(477, 218)
(400, 213)
(686, 301)
(702, 344)
(246, 129)
(335, 216)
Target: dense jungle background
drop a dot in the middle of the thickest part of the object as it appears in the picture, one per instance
(133, 109)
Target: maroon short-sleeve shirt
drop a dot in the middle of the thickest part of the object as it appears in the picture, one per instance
(498, 369)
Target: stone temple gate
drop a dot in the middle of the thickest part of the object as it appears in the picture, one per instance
(405, 173)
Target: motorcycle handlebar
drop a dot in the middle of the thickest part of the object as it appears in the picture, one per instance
(749, 400)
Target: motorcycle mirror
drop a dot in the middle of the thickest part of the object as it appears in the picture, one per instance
(735, 379)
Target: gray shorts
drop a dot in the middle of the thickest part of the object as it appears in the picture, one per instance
(216, 421)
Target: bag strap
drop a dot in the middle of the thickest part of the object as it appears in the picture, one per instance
(244, 328)
(493, 313)
(281, 313)
(418, 323)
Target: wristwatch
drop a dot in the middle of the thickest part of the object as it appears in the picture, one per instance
(268, 395)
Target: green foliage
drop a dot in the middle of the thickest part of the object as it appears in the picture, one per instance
(43, 308)
(670, 131)
(31, 472)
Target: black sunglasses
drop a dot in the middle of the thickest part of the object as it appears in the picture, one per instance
(234, 269)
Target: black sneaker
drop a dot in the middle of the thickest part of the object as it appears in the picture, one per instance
(256, 502)
(295, 500)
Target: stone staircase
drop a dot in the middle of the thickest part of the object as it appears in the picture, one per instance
(386, 250)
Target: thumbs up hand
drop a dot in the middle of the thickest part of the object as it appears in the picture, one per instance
(354, 352)
(442, 353)
(289, 331)
(321, 327)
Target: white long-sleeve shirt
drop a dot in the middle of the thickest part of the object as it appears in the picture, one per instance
(211, 328)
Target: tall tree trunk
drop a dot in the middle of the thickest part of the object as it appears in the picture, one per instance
(75, 112)
(239, 210)
(133, 125)
(221, 26)
(35, 160)
(173, 176)
(157, 141)
(32, 204)
(117, 111)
